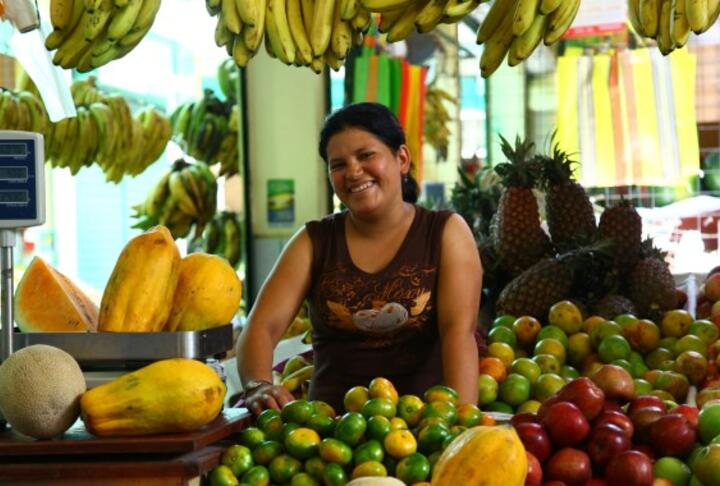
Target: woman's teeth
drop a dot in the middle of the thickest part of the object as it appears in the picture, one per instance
(360, 188)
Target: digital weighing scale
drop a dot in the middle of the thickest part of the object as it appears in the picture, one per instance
(22, 205)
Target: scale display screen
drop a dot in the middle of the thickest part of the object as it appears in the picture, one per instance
(14, 197)
(13, 173)
(13, 149)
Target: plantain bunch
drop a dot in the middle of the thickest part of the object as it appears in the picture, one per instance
(400, 18)
(184, 197)
(514, 28)
(669, 22)
(223, 236)
(437, 116)
(22, 110)
(207, 130)
(90, 33)
(105, 132)
(309, 33)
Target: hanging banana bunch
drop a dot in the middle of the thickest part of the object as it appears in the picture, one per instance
(437, 116)
(22, 110)
(184, 197)
(514, 28)
(105, 132)
(669, 22)
(223, 236)
(311, 33)
(90, 33)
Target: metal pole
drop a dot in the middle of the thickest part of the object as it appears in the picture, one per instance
(7, 243)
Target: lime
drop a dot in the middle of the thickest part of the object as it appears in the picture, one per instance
(551, 346)
(444, 410)
(413, 469)
(441, 393)
(304, 479)
(526, 367)
(334, 475)
(505, 320)
(378, 406)
(238, 458)
(502, 334)
(350, 428)
(705, 330)
(569, 373)
(222, 476)
(515, 389)
(410, 408)
(614, 347)
(691, 343)
(335, 451)
(377, 427)
(545, 386)
(267, 451)
(283, 468)
(251, 437)
(579, 347)
(371, 450)
(302, 443)
(322, 424)
(297, 411)
(400, 443)
(499, 407)
(469, 415)
(257, 476)
(603, 330)
(503, 351)
(487, 389)
(553, 332)
(266, 416)
(431, 437)
(323, 408)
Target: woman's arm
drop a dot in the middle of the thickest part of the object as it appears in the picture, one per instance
(459, 287)
(276, 306)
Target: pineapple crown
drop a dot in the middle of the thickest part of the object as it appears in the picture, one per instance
(522, 169)
(557, 168)
(649, 250)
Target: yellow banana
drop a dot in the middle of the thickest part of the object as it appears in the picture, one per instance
(348, 9)
(334, 62)
(124, 19)
(131, 39)
(560, 20)
(388, 19)
(61, 12)
(497, 14)
(405, 25)
(73, 47)
(317, 64)
(713, 8)
(293, 381)
(279, 11)
(547, 6)
(524, 45)
(525, 13)
(697, 15)
(308, 9)
(231, 16)
(362, 21)
(455, 10)
(496, 47)
(341, 37)
(430, 16)
(272, 35)
(222, 34)
(297, 29)
(146, 16)
(241, 54)
(664, 38)
(253, 35)
(37, 111)
(634, 16)
(247, 9)
(24, 122)
(649, 17)
(385, 5)
(322, 26)
(98, 19)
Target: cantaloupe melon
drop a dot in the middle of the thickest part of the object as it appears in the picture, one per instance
(47, 301)
(40, 390)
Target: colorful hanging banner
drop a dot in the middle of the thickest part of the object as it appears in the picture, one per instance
(599, 17)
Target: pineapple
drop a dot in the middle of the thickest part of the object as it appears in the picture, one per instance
(570, 215)
(622, 225)
(517, 235)
(651, 285)
(612, 305)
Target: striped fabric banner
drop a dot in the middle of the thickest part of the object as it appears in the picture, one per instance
(630, 115)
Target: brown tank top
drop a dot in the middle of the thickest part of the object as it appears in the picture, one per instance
(375, 324)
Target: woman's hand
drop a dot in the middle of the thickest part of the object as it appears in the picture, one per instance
(267, 396)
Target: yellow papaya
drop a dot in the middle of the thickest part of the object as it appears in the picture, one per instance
(168, 396)
(207, 295)
(483, 455)
(138, 296)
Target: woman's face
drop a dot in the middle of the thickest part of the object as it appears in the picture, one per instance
(364, 172)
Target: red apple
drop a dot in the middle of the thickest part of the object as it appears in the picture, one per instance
(606, 441)
(712, 287)
(566, 424)
(585, 394)
(524, 417)
(645, 400)
(569, 465)
(673, 435)
(703, 309)
(691, 413)
(595, 482)
(612, 406)
(550, 401)
(682, 298)
(616, 418)
(630, 468)
(553, 483)
(642, 420)
(534, 472)
(647, 450)
(535, 440)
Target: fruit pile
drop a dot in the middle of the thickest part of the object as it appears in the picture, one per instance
(207, 130)
(670, 22)
(604, 267)
(89, 34)
(184, 197)
(527, 362)
(599, 428)
(380, 434)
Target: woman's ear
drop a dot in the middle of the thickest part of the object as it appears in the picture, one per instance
(403, 154)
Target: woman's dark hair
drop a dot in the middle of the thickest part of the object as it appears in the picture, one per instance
(376, 119)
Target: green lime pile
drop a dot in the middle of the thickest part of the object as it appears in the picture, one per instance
(380, 434)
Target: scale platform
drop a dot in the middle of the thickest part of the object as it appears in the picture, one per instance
(127, 350)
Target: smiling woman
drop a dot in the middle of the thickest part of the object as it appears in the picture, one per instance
(392, 288)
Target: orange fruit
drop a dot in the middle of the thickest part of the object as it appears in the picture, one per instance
(676, 323)
(371, 450)
(546, 385)
(413, 468)
(531, 406)
(369, 469)
(503, 351)
(566, 316)
(383, 388)
(398, 423)
(487, 420)
(505, 320)
(526, 367)
(494, 367)
(502, 334)
(526, 329)
(335, 451)
(400, 443)
(441, 393)
(410, 409)
(469, 415)
(551, 346)
(444, 410)
(378, 427)
(515, 389)
(591, 322)
(302, 443)
(350, 428)
(378, 406)
(355, 398)
(579, 347)
(283, 468)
